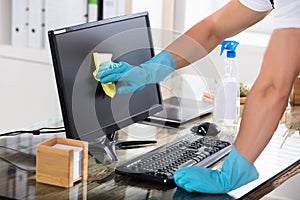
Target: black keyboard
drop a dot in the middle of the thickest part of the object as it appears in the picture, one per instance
(160, 164)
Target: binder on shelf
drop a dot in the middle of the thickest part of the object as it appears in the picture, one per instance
(32, 19)
(52, 14)
(35, 30)
(5, 36)
(109, 8)
(19, 32)
(92, 10)
(63, 13)
(77, 12)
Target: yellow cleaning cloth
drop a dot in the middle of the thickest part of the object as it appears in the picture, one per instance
(109, 88)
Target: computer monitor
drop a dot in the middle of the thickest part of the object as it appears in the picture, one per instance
(88, 113)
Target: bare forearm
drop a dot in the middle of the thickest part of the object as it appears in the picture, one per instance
(194, 44)
(269, 95)
(260, 119)
(203, 37)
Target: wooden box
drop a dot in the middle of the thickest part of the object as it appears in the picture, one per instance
(55, 166)
(295, 95)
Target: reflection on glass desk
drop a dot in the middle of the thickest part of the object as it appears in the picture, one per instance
(288, 190)
(17, 180)
(273, 160)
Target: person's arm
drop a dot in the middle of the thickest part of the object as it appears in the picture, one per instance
(203, 37)
(191, 46)
(269, 96)
(263, 110)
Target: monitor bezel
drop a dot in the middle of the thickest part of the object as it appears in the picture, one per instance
(60, 82)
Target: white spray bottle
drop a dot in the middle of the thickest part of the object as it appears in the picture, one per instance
(227, 94)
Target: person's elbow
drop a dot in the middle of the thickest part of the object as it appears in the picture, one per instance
(278, 94)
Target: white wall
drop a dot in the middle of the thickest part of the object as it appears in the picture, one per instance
(155, 10)
(189, 12)
(28, 93)
(154, 7)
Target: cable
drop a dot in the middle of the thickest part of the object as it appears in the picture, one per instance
(16, 166)
(44, 130)
(11, 163)
(5, 147)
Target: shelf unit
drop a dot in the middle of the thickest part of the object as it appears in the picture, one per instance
(5, 21)
(41, 56)
(27, 83)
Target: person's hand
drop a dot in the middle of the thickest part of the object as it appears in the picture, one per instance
(236, 171)
(157, 69)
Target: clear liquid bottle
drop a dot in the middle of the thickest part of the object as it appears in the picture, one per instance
(227, 95)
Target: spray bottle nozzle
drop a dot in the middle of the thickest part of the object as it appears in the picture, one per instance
(229, 45)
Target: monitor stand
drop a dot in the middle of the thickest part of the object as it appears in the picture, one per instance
(104, 149)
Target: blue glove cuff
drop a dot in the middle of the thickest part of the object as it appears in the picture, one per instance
(166, 59)
(236, 171)
(160, 67)
(239, 168)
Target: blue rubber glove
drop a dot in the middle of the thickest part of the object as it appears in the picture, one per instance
(236, 171)
(157, 69)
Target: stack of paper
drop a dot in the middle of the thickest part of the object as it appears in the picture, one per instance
(77, 167)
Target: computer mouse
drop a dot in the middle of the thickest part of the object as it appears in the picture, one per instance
(206, 129)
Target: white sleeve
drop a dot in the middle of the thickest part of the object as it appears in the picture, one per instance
(287, 14)
(257, 5)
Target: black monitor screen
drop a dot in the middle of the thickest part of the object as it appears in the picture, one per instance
(88, 112)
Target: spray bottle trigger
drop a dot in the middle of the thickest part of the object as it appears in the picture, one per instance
(229, 45)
